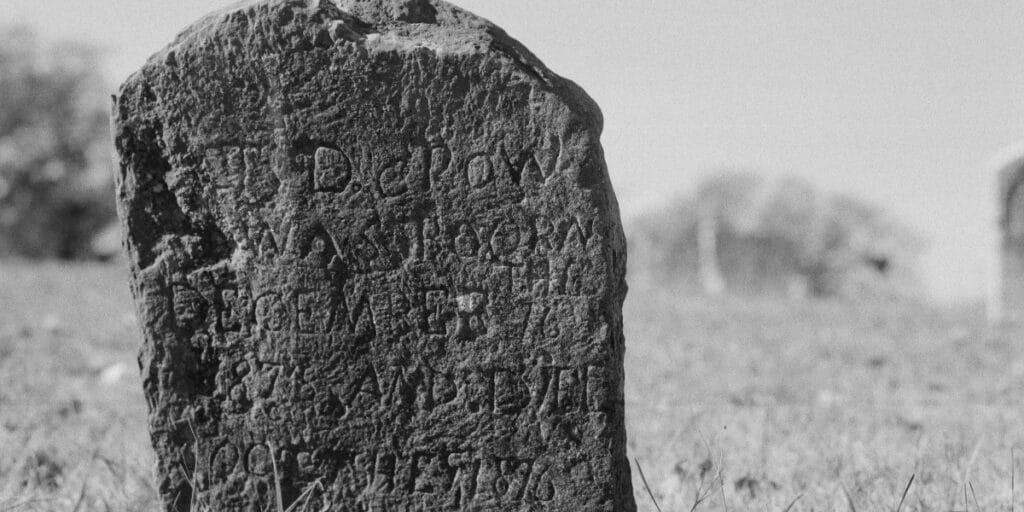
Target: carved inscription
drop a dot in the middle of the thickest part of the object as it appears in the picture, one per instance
(417, 480)
(332, 170)
(378, 266)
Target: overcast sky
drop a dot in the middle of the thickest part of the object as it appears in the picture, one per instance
(899, 102)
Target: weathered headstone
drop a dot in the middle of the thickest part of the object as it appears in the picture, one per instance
(378, 264)
(1006, 300)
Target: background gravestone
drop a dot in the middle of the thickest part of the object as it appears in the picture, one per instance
(378, 262)
(1007, 302)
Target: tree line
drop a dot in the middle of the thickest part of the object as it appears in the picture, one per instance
(56, 181)
(740, 232)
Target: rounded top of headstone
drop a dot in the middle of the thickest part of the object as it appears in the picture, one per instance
(404, 26)
(407, 11)
(1007, 160)
(1007, 169)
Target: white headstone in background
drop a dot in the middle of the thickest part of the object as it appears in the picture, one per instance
(1006, 285)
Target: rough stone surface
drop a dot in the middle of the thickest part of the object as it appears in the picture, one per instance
(378, 263)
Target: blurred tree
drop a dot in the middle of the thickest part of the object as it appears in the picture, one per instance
(721, 204)
(56, 189)
(742, 233)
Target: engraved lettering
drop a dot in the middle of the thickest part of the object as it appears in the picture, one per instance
(332, 170)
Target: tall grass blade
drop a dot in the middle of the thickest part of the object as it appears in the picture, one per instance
(646, 486)
(905, 492)
(277, 476)
(81, 496)
(792, 503)
(85, 482)
(193, 501)
(849, 500)
(26, 503)
(306, 495)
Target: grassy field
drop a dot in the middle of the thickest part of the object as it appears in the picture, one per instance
(732, 404)
(72, 417)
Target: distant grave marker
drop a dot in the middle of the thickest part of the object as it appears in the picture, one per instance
(1006, 301)
(377, 261)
